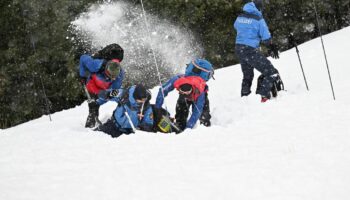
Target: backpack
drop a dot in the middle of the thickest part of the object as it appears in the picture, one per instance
(162, 121)
(201, 68)
(111, 51)
(276, 86)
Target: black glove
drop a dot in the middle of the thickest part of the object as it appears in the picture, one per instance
(177, 128)
(82, 80)
(273, 51)
(206, 123)
(113, 93)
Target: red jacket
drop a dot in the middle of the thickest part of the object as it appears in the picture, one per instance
(97, 83)
(198, 85)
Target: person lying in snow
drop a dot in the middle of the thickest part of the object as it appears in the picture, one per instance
(134, 112)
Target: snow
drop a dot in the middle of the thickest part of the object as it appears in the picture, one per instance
(296, 146)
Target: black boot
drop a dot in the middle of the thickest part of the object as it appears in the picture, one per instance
(92, 119)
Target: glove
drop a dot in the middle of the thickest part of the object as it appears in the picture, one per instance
(273, 51)
(178, 129)
(82, 80)
(206, 123)
(113, 93)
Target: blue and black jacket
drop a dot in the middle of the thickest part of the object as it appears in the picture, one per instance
(127, 104)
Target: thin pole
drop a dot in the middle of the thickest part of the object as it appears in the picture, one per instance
(154, 56)
(129, 119)
(292, 40)
(46, 100)
(324, 51)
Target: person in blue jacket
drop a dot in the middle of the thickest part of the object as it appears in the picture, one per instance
(133, 112)
(251, 31)
(98, 74)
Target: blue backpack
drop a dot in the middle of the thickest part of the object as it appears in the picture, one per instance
(200, 67)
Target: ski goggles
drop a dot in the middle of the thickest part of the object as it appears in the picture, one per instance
(198, 69)
(112, 69)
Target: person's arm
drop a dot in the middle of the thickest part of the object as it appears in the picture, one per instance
(86, 62)
(110, 95)
(264, 32)
(197, 109)
(167, 87)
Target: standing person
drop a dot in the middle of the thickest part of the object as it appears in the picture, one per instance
(192, 92)
(97, 75)
(251, 30)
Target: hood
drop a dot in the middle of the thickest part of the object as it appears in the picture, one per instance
(251, 8)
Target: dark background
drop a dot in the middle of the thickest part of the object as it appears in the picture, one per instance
(36, 58)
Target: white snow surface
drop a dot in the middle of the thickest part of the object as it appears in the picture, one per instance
(296, 146)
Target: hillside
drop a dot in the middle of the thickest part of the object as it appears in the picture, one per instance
(296, 146)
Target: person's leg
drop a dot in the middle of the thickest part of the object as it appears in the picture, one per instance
(93, 115)
(264, 66)
(244, 56)
(109, 128)
(205, 117)
(182, 112)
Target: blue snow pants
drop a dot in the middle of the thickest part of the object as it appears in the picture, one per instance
(251, 58)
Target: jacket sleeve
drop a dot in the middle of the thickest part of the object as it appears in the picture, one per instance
(147, 121)
(103, 96)
(167, 87)
(123, 120)
(197, 110)
(119, 81)
(264, 30)
(88, 64)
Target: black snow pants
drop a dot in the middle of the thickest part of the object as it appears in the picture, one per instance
(93, 112)
(182, 112)
(251, 58)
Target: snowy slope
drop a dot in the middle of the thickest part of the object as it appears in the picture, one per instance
(294, 147)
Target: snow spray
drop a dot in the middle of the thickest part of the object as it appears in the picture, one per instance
(123, 23)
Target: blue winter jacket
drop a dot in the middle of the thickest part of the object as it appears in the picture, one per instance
(133, 109)
(88, 65)
(251, 27)
(197, 107)
(97, 81)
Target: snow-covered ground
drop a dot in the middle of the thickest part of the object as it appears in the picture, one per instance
(294, 147)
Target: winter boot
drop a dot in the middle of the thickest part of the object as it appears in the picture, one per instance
(264, 99)
(92, 119)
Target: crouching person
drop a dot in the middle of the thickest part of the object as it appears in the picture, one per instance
(192, 92)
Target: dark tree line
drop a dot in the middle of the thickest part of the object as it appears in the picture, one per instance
(36, 58)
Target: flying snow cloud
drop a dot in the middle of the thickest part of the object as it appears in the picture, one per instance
(140, 36)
